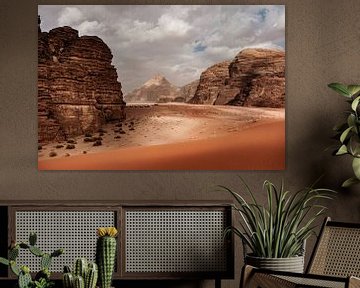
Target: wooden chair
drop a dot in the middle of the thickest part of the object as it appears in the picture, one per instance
(335, 262)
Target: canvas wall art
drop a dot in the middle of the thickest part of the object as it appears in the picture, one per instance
(167, 87)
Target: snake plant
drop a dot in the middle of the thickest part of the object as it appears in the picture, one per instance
(279, 228)
(348, 132)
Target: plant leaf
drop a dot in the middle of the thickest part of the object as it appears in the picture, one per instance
(349, 182)
(353, 89)
(340, 88)
(356, 167)
(354, 145)
(4, 261)
(355, 103)
(351, 120)
(342, 150)
(345, 134)
(279, 228)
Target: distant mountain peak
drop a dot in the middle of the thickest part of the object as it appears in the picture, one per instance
(157, 80)
(159, 90)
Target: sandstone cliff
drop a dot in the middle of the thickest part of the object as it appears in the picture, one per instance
(187, 91)
(156, 90)
(212, 81)
(78, 89)
(255, 77)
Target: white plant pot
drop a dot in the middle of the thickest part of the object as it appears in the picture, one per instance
(291, 264)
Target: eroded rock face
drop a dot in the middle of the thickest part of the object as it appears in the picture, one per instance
(78, 89)
(256, 78)
(187, 91)
(212, 81)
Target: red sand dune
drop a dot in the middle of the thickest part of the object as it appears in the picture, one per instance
(258, 148)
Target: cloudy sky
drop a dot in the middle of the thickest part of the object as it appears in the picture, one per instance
(176, 41)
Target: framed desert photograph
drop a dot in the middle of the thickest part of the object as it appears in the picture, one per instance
(161, 87)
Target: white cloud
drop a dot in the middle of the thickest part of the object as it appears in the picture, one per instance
(178, 41)
(70, 16)
(173, 26)
(90, 28)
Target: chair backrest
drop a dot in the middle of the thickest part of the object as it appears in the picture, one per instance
(337, 251)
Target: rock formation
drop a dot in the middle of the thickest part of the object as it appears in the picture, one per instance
(212, 81)
(256, 77)
(78, 89)
(156, 90)
(187, 91)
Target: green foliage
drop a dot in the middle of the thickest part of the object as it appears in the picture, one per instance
(42, 278)
(4, 261)
(280, 229)
(42, 283)
(349, 131)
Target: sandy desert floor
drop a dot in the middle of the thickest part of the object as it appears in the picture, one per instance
(180, 137)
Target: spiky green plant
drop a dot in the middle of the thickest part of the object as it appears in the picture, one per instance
(79, 282)
(85, 274)
(106, 254)
(348, 132)
(91, 275)
(80, 267)
(279, 229)
(42, 278)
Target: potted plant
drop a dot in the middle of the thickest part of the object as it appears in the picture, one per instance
(42, 278)
(348, 132)
(276, 233)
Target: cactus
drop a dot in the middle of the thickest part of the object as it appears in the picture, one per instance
(67, 269)
(32, 238)
(42, 278)
(91, 276)
(24, 280)
(36, 251)
(45, 261)
(24, 245)
(68, 280)
(90, 272)
(57, 252)
(79, 282)
(13, 253)
(80, 268)
(14, 268)
(105, 255)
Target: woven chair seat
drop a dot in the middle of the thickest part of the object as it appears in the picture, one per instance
(335, 262)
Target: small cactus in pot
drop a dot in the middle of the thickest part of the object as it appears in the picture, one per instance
(85, 275)
(106, 254)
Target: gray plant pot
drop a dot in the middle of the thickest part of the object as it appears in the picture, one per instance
(291, 264)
